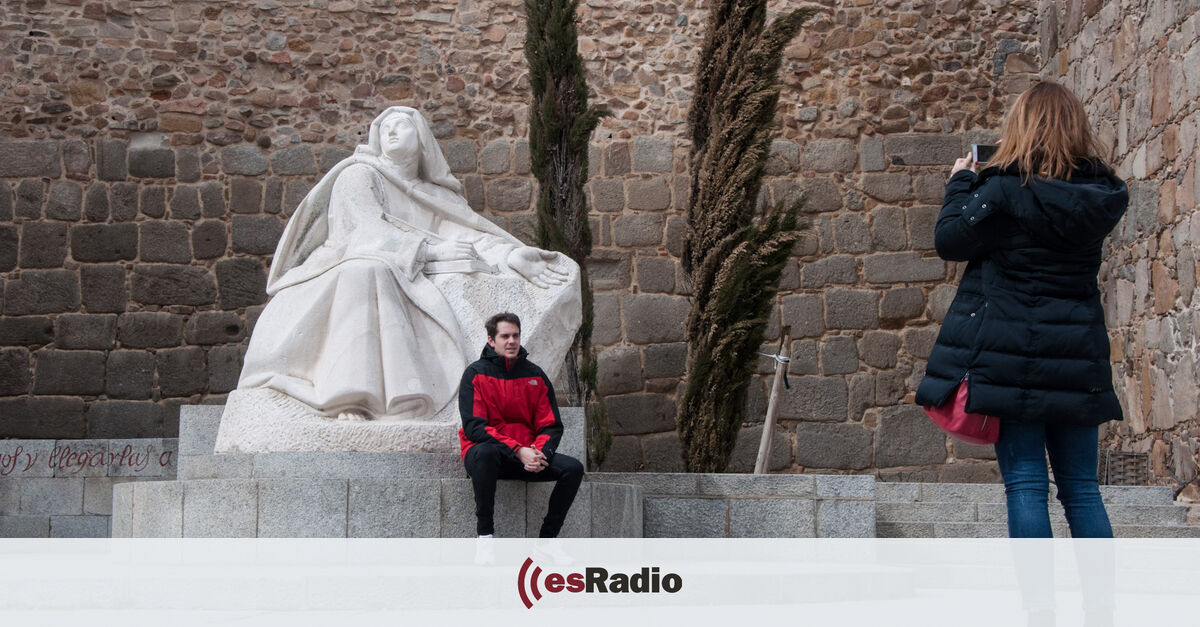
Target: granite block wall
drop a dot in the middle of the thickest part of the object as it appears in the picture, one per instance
(1137, 67)
(151, 151)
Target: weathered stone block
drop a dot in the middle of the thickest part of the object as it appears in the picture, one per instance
(817, 194)
(805, 314)
(220, 508)
(643, 229)
(104, 242)
(616, 159)
(129, 374)
(832, 155)
(640, 413)
(77, 158)
(224, 368)
(68, 372)
(212, 200)
(902, 303)
(256, 235)
(125, 419)
(783, 158)
(887, 228)
(246, 160)
(922, 219)
(879, 349)
(302, 508)
(30, 159)
(149, 329)
(493, 159)
(851, 309)
(242, 281)
(889, 387)
(214, 327)
(153, 201)
(521, 161)
(245, 195)
(923, 149)
(662, 453)
(165, 241)
(940, 300)
(903, 267)
(906, 437)
(164, 498)
(182, 371)
(619, 371)
(273, 196)
(43, 244)
(83, 331)
(652, 194)
(294, 160)
(9, 242)
(209, 239)
(656, 274)
(871, 151)
(745, 450)
(14, 371)
(41, 291)
(820, 399)
(185, 203)
(654, 318)
(24, 526)
(929, 188)
(26, 330)
(47, 417)
(851, 233)
(665, 360)
(682, 517)
(509, 194)
(888, 187)
(110, 159)
(607, 194)
(331, 155)
(150, 156)
(124, 206)
(460, 154)
(66, 201)
(30, 194)
(845, 519)
(187, 165)
(395, 509)
(919, 342)
(838, 446)
(838, 355)
(156, 284)
(95, 203)
(652, 155)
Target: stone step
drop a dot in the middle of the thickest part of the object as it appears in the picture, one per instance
(897, 492)
(951, 512)
(360, 508)
(1000, 530)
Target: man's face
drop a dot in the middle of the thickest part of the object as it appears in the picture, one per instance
(507, 340)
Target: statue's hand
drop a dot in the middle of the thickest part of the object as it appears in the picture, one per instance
(536, 266)
(450, 250)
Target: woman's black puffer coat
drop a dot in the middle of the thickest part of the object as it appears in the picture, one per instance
(1026, 324)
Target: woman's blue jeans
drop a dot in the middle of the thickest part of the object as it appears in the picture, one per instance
(1021, 455)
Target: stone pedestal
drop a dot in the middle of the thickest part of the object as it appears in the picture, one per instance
(341, 494)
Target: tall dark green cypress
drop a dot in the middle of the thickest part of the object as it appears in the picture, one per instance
(734, 261)
(560, 123)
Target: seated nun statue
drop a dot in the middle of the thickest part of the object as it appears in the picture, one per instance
(379, 288)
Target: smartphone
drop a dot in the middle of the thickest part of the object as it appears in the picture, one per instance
(983, 152)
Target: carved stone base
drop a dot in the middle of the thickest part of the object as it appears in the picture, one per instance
(265, 421)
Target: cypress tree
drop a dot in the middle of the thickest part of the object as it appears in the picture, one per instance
(734, 261)
(560, 123)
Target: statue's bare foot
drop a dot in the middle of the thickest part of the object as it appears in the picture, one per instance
(353, 416)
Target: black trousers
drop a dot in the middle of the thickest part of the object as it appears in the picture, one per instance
(488, 462)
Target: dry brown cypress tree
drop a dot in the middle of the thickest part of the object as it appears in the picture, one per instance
(734, 260)
(560, 123)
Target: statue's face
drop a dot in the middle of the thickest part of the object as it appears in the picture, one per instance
(398, 138)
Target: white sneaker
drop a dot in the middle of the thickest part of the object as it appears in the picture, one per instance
(485, 550)
(551, 549)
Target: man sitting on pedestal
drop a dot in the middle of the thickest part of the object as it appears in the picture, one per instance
(510, 430)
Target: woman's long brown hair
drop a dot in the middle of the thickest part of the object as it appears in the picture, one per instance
(1047, 133)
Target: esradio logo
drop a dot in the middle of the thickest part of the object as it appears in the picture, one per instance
(531, 581)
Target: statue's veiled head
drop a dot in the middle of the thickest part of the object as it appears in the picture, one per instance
(397, 133)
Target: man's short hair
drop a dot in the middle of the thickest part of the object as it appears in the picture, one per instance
(494, 322)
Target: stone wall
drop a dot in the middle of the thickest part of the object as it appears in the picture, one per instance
(1136, 64)
(151, 151)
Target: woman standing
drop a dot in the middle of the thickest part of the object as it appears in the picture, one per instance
(1026, 328)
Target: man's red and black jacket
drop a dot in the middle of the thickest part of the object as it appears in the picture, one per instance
(510, 402)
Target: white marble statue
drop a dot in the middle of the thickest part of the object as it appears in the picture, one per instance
(379, 288)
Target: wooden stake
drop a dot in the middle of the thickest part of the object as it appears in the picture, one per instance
(781, 368)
